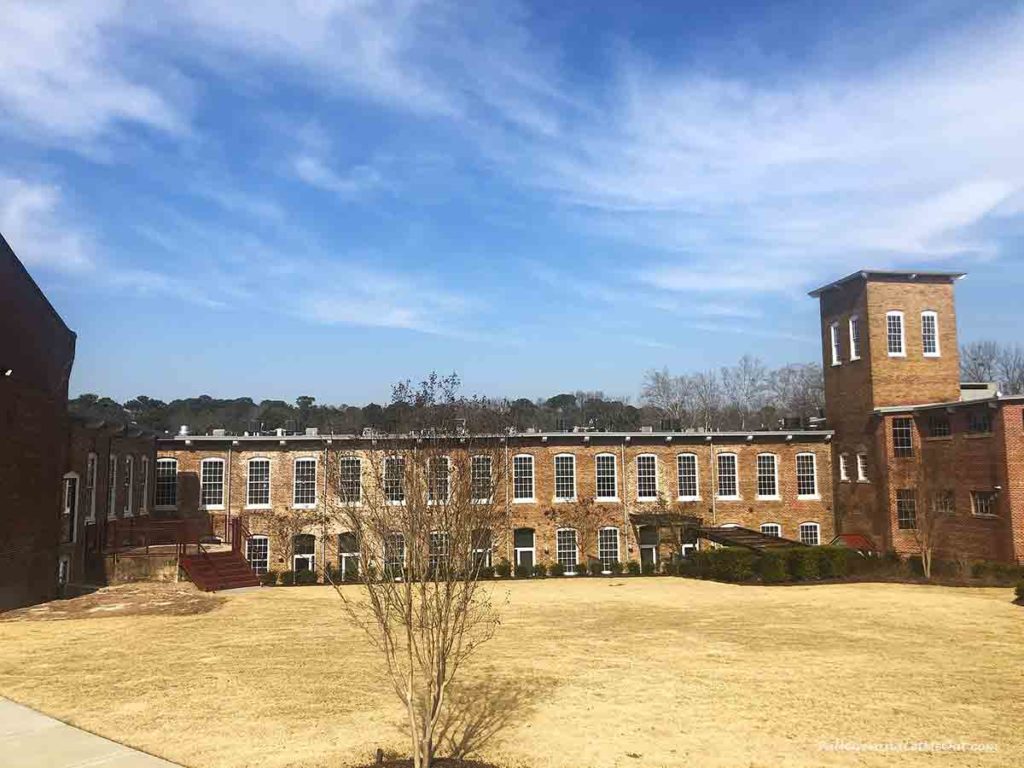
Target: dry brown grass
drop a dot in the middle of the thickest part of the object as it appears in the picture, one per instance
(621, 672)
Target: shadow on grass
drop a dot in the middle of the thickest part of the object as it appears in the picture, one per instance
(477, 714)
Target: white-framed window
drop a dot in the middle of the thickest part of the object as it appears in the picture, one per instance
(394, 479)
(166, 484)
(855, 338)
(482, 545)
(481, 478)
(903, 436)
(767, 476)
(810, 534)
(129, 486)
(70, 511)
(348, 556)
(608, 548)
(304, 552)
(112, 487)
(647, 476)
(439, 480)
(350, 484)
(728, 476)
(686, 469)
(257, 484)
(844, 467)
(90, 486)
(772, 529)
(806, 476)
(257, 552)
(894, 333)
(906, 508)
(437, 554)
(837, 351)
(983, 503)
(565, 477)
(525, 545)
(211, 484)
(144, 501)
(394, 555)
(522, 478)
(304, 483)
(930, 334)
(862, 468)
(607, 477)
(567, 549)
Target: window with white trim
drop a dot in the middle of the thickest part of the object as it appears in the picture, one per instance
(810, 534)
(257, 552)
(304, 483)
(565, 477)
(930, 334)
(482, 545)
(437, 554)
(439, 480)
(767, 476)
(837, 352)
(608, 548)
(90, 486)
(481, 481)
(144, 501)
(522, 478)
(112, 487)
(903, 436)
(607, 478)
(862, 468)
(394, 479)
(211, 483)
(686, 469)
(983, 503)
(257, 485)
(304, 552)
(906, 508)
(566, 549)
(806, 476)
(394, 555)
(129, 486)
(894, 334)
(350, 485)
(69, 523)
(728, 476)
(166, 483)
(772, 529)
(844, 467)
(647, 476)
(855, 338)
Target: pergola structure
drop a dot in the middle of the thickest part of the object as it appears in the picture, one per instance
(746, 538)
(682, 528)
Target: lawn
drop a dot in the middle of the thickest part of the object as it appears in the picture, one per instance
(583, 672)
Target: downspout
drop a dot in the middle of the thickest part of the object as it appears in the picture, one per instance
(323, 517)
(510, 550)
(714, 481)
(625, 496)
(227, 517)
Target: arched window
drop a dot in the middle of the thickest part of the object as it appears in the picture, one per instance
(771, 529)
(257, 486)
(647, 476)
(522, 478)
(350, 487)
(304, 552)
(211, 484)
(608, 548)
(728, 476)
(565, 477)
(166, 484)
(257, 552)
(304, 483)
(810, 534)
(895, 335)
(69, 516)
(606, 477)
(567, 549)
(930, 334)
(806, 476)
(686, 469)
(525, 540)
(767, 476)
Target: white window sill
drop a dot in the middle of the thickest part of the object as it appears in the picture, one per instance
(257, 506)
(567, 500)
(688, 498)
(396, 503)
(166, 507)
(608, 500)
(984, 516)
(303, 506)
(90, 521)
(810, 497)
(837, 365)
(211, 507)
(531, 500)
(646, 499)
(897, 354)
(729, 498)
(854, 359)
(776, 497)
(931, 355)
(864, 481)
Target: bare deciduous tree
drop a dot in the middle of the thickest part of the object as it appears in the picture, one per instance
(745, 385)
(283, 527)
(583, 516)
(671, 395)
(930, 523)
(979, 361)
(707, 395)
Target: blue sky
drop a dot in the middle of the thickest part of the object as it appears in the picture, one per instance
(324, 197)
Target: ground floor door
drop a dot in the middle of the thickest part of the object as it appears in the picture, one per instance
(349, 566)
(648, 556)
(526, 547)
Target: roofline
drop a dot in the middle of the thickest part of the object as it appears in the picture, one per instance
(750, 435)
(867, 274)
(992, 401)
(5, 246)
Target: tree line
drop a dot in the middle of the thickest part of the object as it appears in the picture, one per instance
(995, 362)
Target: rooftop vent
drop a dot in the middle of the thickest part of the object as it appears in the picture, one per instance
(647, 429)
(183, 429)
(220, 432)
(312, 431)
(279, 432)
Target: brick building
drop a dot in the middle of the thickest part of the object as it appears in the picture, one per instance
(910, 438)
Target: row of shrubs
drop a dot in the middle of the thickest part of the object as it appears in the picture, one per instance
(288, 578)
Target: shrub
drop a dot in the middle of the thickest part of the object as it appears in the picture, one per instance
(1020, 591)
(697, 565)
(504, 569)
(305, 577)
(649, 569)
(771, 567)
(668, 567)
(1005, 573)
(539, 571)
(556, 569)
(732, 564)
(268, 579)
(582, 569)
(287, 578)
(833, 562)
(616, 568)
(979, 570)
(485, 572)
(524, 571)
(802, 563)
(633, 568)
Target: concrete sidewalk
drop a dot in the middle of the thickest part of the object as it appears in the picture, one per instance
(29, 739)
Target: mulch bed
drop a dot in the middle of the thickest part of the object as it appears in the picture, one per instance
(140, 599)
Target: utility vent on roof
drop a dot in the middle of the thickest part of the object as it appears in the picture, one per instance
(312, 431)
(183, 429)
(280, 432)
(219, 432)
(646, 429)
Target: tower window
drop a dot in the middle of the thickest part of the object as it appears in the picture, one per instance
(837, 354)
(894, 334)
(844, 467)
(862, 468)
(903, 436)
(906, 509)
(979, 422)
(855, 338)
(930, 334)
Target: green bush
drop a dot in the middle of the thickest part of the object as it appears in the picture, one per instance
(1020, 590)
(616, 568)
(771, 567)
(833, 562)
(732, 564)
(668, 567)
(524, 571)
(504, 569)
(698, 565)
(649, 569)
(287, 578)
(556, 569)
(802, 564)
(979, 570)
(540, 571)
(633, 568)
(268, 579)
(305, 578)
(485, 572)
(582, 569)
(1005, 573)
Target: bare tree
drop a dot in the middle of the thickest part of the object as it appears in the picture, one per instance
(929, 526)
(583, 516)
(671, 395)
(283, 527)
(707, 395)
(979, 361)
(1011, 370)
(744, 385)
(424, 529)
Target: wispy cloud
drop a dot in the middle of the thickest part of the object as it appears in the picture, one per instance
(35, 222)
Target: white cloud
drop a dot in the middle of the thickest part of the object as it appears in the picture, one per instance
(35, 224)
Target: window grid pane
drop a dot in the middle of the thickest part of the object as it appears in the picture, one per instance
(166, 493)
(394, 479)
(855, 338)
(258, 493)
(806, 475)
(771, 529)
(565, 477)
(903, 436)
(767, 475)
(983, 502)
(481, 477)
(607, 483)
(566, 549)
(862, 467)
(809, 534)
(522, 480)
(608, 547)
(906, 508)
(646, 477)
(349, 480)
(438, 489)
(929, 334)
(211, 492)
(687, 471)
(894, 327)
(837, 355)
(727, 481)
(257, 552)
(304, 493)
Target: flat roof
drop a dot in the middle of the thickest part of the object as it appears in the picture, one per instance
(994, 402)
(868, 274)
